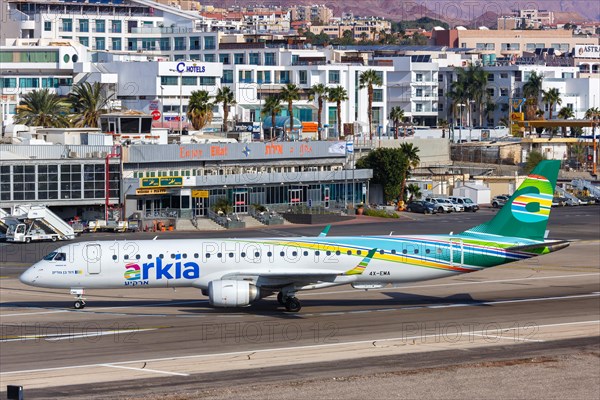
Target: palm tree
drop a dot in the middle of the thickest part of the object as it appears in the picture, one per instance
(592, 113)
(320, 92)
(414, 190)
(289, 93)
(200, 109)
(368, 79)
(272, 107)
(226, 97)
(442, 123)
(337, 95)
(42, 108)
(88, 102)
(396, 115)
(411, 160)
(551, 97)
(459, 95)
(477, 80)
(532, 90)
(565, 113)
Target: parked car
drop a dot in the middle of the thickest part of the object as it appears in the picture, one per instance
(441, 205)
(499, 201)
(455, 206)
(466, 202)
(421, 206)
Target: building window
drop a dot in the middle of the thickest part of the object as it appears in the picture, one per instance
(85, 41)
(100, 43)
(440, 92)
(29, 83)
(100, 26)
(67, 25)
(245, 76)
(419, 107)
(227, 76)
(269, 58)
(179, 43)
(209, 58)
(224, 59)
(195, 43)
(254, 59)
(441, 107)
(503, 92)
(47, 26)
(303, 77)
(189, 80)
(419, 78)
(50, 82)
(491, 77)
(165, 44)
(48, 182)
(8, 83)
(239, 58)
(209, 43)
(377, 116)
(377, 94)
(334, 77)
(23, 182)
(490, 92)
(207, 81)
(84, 25)
(332, 113)
(70, 181)
(504, 75)
(168, 80)
(418, 92)
(5, 182)
(116, 43)
(115, 27)
(263, 76)
(282, 77)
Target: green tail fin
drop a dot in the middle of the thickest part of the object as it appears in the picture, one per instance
(525, 214)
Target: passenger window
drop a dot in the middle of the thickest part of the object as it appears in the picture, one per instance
(317, 253)
(207, 255)
(243, 254)
(337, 253)
(359, 252)
(305, 253)
(294, 253)
(416, 251)
(184, 255)
(114, 258)
(269, 254)
(149, 256)
(230, 255)
(126, 257)
(349, 252)
(161, 256)
(393, 251)
(195, 255)
(137, 256)
(172, 255)
(257, 254)
(328, 253)
(282, 254)
(219, 255)
(404, 251)
(381, 251)
(427, 251)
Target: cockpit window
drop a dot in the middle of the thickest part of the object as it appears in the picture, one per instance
(56, 256)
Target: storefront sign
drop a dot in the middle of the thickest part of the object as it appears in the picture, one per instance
(587, 51)
(203, 194)
(150, 191)
(165, 181)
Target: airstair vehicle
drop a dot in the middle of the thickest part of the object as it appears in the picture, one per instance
(582, 184)
(573, 200)
(37, 223)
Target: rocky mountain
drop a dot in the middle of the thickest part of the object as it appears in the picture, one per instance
(454, 12)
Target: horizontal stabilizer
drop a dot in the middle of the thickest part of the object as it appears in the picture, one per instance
(362, 265)
(551, 246)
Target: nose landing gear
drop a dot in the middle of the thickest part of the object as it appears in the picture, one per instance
(80, 300)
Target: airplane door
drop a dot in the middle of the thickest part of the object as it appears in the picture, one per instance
(457, 254)
(92, 257)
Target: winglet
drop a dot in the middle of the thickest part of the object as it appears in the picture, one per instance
(325, 231)
(362, 265)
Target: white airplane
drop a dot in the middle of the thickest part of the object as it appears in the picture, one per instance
(237, 272)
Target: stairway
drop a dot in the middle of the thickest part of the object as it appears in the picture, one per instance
(201, 224)
(582, 184)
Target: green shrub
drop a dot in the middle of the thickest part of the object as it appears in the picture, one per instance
(380, 213)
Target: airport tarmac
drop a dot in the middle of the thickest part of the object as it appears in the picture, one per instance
(142, 342)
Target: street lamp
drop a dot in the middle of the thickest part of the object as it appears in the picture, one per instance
(180, 99)
(460, 117)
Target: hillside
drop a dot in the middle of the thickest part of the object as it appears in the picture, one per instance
(454, 12)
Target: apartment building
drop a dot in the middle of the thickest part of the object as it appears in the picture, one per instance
(311, 13)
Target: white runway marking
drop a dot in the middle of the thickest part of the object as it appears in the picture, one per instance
(144, 370)
(72, 335)
(271, 350)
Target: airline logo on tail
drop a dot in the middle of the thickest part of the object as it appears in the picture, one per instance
(534, 207)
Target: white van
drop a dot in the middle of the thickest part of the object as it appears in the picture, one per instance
(466, 202)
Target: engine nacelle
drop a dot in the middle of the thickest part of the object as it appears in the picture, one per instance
(224, 293)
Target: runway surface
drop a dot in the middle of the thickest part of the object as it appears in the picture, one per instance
(140, 342)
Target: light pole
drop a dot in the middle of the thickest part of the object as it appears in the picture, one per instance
(162, 107)
(460, 105)
(180, 99)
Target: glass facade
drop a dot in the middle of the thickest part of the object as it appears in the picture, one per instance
(58, 182)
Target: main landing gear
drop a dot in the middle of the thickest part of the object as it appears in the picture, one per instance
(289, 301)
(79, 299)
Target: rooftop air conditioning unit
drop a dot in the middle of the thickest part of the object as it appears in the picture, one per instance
(73, 154)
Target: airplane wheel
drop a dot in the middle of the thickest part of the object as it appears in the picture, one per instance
(54, 238)
(280, 298)
(79, 305)
(27, 240)
(292, 304)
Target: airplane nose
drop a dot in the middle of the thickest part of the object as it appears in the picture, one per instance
(29, 276)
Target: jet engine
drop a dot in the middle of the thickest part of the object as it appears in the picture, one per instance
(229, 293)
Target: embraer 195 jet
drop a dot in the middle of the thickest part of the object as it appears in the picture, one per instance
(238, 272)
